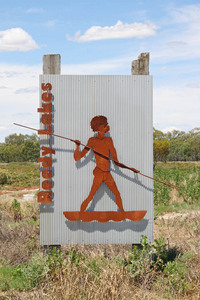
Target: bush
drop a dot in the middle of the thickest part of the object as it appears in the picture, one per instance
(16, 209)
(4, 178)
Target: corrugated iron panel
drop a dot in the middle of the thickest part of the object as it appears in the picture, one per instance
(127, 103)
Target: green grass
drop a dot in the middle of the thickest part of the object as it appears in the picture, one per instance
(22, 277)
(25, 174)
(177, 207)
(186, 176)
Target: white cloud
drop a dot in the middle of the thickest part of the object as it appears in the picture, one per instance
(50, 24)
(179, 36)
(194, 85)
(98, 67)
(2, 128)
(34, 10)
(29, 90)
(3, 87)
(170, 129)
(18, 107)
(16, 39)
(186, 14)
(117, 31)
(176, 106)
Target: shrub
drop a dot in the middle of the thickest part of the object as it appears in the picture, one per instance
(3, 178)
(16, 209)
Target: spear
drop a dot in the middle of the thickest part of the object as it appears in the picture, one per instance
(104, 156)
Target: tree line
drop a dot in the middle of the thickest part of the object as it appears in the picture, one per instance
(171, 146)
(20, 148)
(176, 145)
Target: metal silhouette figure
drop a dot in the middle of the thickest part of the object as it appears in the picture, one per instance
(103, 145)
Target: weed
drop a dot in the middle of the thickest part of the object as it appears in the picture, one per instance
(4, 178)
(16, 209)
(94, 267)
(32, 210)
(148, 260)
(74, 257)
(22, 277)
(55, 260)
(175, 277)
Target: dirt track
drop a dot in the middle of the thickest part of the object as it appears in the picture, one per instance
(21, 195)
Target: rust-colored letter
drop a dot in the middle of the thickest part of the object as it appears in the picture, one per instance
(47, 174)
(47, 150)
(46, 185)
(46, 87)
(46, 108)
(44, 197)
(46, 97)
(46, 161)
(46, 119)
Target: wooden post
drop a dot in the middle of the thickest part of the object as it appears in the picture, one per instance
(51, 65)
(140, 66)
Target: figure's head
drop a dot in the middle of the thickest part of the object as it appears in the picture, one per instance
(99, 123)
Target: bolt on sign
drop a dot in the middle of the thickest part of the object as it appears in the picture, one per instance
(96, 141)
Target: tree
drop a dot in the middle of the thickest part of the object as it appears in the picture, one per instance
(20, 148)
(160, 151)
(158, 135)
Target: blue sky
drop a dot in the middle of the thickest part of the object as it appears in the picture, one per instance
(101, 37)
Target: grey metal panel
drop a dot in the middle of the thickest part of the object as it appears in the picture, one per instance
(127, 103)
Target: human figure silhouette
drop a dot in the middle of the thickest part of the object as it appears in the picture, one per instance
(104, 146)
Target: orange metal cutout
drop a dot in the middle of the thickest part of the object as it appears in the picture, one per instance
(102, 146)
(44, 197)
(47, 150)
(46, 87)
(46, 108)
(46, 161)
(46, 97)
(46, 119)
(46, 185)
(104, 216)
(47, 174)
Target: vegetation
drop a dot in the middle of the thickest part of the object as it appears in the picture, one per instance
(176, 145)
(170, 146)
(20, 148)
(24, 174)
(151, 271)
(166, 269)
(186, 176)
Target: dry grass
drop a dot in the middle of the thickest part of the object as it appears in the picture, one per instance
(20, 241)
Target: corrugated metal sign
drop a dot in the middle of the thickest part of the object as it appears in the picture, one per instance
(126, 101)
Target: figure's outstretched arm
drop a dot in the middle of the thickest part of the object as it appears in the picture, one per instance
(78, 155)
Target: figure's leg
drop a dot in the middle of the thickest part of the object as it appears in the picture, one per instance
(95, 185)
(109, 181)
